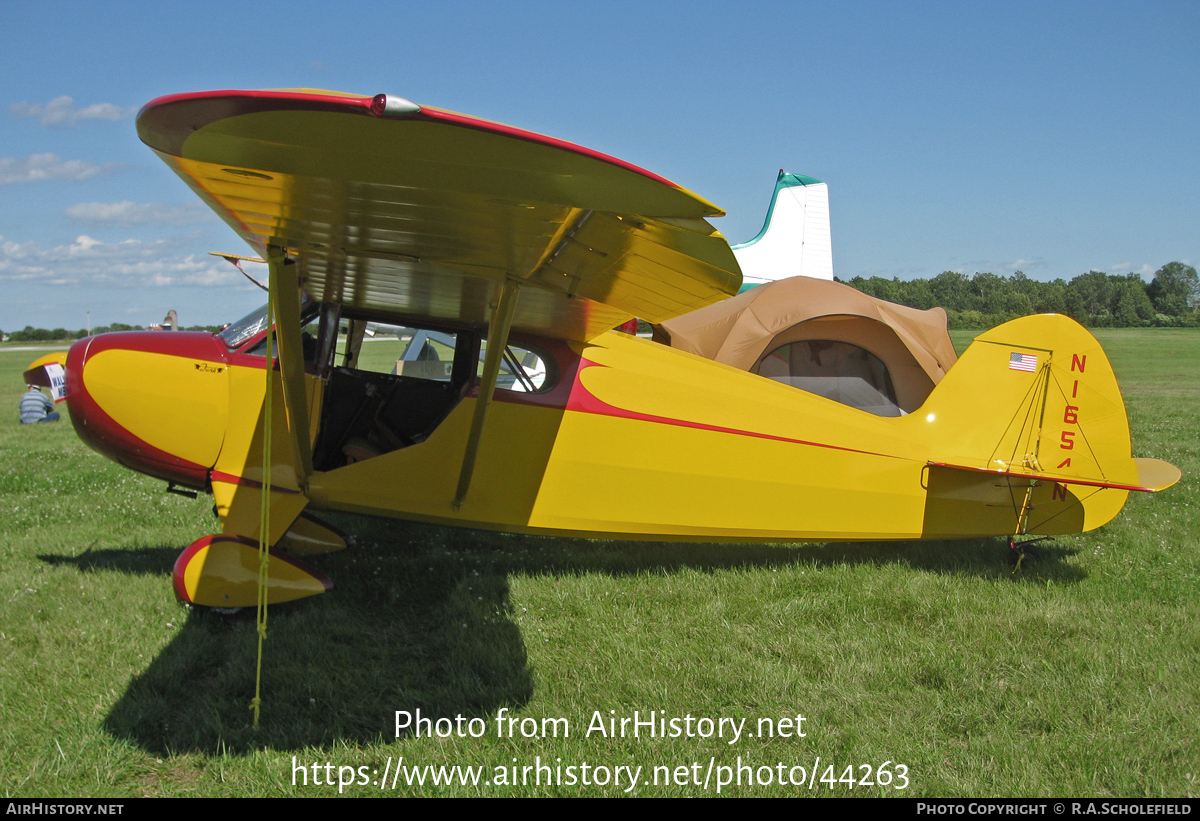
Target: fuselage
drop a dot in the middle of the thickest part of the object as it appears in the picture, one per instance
(625, 438)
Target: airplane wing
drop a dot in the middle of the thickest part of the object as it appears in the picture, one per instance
(49, 372)
(410, 211)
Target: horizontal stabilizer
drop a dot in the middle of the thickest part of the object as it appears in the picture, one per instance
(1153, 475)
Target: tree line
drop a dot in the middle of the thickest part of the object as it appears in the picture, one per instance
(32, 334)
(1094, 299)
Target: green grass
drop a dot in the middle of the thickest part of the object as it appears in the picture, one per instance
(1076, 676)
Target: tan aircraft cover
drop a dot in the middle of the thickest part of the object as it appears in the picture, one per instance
(740, 330)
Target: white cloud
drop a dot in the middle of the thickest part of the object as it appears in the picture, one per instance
(140, 213)
(37, 167)
(1002, 268)
(1143, 270)
(62, 111)
(126, 264)
(1022, 264)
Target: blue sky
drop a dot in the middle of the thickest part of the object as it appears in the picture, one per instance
(1048, 137)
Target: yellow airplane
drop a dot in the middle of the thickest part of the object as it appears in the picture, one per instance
(499, 244)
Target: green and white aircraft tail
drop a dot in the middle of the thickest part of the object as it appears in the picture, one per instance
(794, 240)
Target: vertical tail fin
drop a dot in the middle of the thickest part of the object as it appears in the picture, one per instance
(1029, 429)
(795, 237)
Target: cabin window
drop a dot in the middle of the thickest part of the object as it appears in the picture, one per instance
(839, 371)
(522, 370)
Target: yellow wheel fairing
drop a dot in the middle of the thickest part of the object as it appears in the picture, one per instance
(174, 403)
(222, 571)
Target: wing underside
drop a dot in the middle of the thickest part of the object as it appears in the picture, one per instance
(427, 215)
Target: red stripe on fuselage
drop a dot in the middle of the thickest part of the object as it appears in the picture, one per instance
(230, 479)
(584, 401)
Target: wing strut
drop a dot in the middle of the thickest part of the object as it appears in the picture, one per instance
(501, 322)
(291, 356)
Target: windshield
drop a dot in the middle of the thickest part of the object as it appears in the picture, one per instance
(252, 324)
(245, 328)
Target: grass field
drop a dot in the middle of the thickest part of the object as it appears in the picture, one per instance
(1076, 676)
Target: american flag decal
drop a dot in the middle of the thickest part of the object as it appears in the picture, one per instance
(1022, 362)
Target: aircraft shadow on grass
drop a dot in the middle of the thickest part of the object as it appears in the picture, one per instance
(422, 618)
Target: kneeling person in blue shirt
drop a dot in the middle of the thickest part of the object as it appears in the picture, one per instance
(37, 407)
